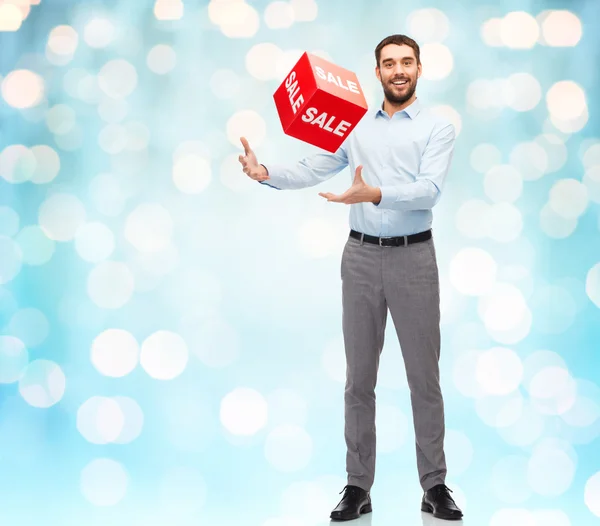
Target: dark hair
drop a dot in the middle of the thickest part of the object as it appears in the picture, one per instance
(398, 40)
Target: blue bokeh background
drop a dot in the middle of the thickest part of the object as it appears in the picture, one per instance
(170, 331)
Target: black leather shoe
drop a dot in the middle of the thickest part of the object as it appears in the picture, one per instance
(355, 502)
(438, 501)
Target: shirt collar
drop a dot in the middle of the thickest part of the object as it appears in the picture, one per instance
(412, 111)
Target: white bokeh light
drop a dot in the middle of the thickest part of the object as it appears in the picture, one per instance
(503, 222)
(473, 271)
(192, 173)
(94, 242)
(244, 411)
(499, 371)
(279, 15)
(552, 390)
(100, 420)
(491, 32)
(211, 338)
(556, 225)
(592, 494)
(17, 163)
(112, 138)
(104, 482)
(99, 32)
(448, 113)
(566, 100)
(500, 411)
(437, 61)
(484, 157)
(134, 420)
(61, 119)
(22, 89)
(428, 25)
(502, 307)
(235, 18)
(590, 153)
(261, 61)
(519, 30)
(35, 246)
(530, 159)
(304, 10)
(528, 428)
(526, 91)
(63, 40)
(115, 352)
(117, 78)
(551, 469)
(61, 215)
(568, 198)
(161, 59)
(13, 359)
(42, 383)
(62, 44)
(113, 111)
(592, 284)
(11, 17)
(560, 28)
(591, 180)
(503, 183)
(47, 164)
(110, 284)
(149, 227)
(168, 9)
(164, 355)
(288, 448)
(471, 218)
(249, 124)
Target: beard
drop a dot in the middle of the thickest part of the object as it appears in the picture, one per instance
(396, 98)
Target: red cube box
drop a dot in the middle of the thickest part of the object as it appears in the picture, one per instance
(320, 103)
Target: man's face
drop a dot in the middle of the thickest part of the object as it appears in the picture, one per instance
(398, 72)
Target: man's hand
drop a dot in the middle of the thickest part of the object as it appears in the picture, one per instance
(250, 165)
(359, 192)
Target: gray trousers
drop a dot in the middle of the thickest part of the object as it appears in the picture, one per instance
(405, 280)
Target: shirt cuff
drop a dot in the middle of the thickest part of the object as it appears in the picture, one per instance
(272, 180)
(389, 195)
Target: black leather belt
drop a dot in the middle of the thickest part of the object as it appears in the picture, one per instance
(392, 241)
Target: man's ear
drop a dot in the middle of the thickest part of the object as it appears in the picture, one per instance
(419, 70)
(378, 73)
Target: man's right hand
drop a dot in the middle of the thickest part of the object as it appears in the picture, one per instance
(250, 165)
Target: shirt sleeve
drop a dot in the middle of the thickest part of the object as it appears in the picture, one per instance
(310, 171)
(425, 191)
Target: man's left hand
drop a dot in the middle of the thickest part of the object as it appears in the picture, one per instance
(359, 192)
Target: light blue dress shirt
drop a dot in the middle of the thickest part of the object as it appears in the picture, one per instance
(407, 156)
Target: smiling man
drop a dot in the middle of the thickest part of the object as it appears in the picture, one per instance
(400, 154)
